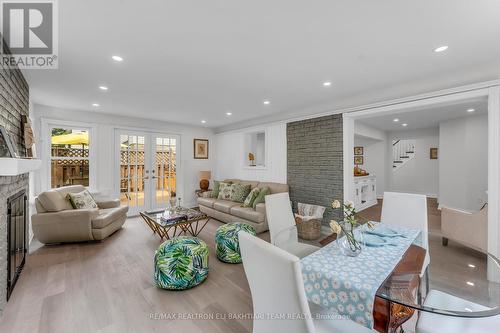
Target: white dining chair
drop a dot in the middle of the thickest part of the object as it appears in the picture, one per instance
(407, 210)
(434, 323)
(277, 289)
(282, 226)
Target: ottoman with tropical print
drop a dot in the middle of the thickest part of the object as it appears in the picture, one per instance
(181, 263)
(226, 240)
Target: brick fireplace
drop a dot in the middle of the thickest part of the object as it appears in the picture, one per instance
(14, 103)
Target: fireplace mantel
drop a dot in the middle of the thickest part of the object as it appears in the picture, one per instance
(18, 166)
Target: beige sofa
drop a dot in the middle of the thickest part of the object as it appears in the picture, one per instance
(56, 221)
(229, 211)
(468, 228)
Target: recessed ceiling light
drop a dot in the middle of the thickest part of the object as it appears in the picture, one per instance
(470, 110)
(395, 120)
(95, 105)
(327, 83)
(470, 283)
(441, 49)
(472, 266)
(104, 88)
(228, 113)
(203, 121)
(404, 125)
(117, 58)
(266, 102)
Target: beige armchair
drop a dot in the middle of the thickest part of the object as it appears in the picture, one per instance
(470, 229)
(56, 221)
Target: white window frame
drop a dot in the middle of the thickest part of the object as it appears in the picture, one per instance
(46, 133)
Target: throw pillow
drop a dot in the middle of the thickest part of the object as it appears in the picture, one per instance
(251, 197)
(261, 197)
(215, 190)
(240, 192)
(225, 191)
(82, 200)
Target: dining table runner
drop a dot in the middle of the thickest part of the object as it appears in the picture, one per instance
(347, 285)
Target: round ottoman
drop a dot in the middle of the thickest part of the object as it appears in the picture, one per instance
(181, 263)
(226, 240)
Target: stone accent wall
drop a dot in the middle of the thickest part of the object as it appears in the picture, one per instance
(14, 102)
(315, 162)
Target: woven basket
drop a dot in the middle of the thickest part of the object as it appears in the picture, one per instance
(308, 230)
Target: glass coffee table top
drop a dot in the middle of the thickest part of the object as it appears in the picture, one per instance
(171, 223)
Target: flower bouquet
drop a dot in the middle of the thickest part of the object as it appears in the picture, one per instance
(348, 237)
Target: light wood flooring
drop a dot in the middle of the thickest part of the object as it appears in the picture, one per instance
(108, 286)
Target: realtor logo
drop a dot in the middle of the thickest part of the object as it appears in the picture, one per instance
(29, 30)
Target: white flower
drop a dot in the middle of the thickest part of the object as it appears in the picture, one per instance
(335, 204)
(334, 225)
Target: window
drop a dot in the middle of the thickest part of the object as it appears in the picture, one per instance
(69, 156)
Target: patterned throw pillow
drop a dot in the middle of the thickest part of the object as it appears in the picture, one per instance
(261, 197)
(225, 191)
(251, 197)
(240, 192)
(82, 200)
(216, 188)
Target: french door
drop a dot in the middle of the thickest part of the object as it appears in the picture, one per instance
(146, 175)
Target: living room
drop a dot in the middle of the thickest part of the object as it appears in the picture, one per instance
(201, 166)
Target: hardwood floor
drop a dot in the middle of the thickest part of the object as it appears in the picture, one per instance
(108, 287)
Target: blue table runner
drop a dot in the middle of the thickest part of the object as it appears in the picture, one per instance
(347, 285)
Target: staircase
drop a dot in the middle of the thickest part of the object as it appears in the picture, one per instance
(402, 152)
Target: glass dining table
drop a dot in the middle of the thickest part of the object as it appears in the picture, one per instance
(455, 270)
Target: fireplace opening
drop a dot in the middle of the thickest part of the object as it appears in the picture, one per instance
(16, 238)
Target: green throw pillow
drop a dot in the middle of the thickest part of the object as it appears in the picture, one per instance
(261, 197)
(82, 200)
(240, 192)
(215, 190)
(251, 197)
(225, 191)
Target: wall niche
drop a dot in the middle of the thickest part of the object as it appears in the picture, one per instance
(255, 150)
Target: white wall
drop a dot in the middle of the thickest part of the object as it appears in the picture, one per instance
(232, 160)
(463, 162)
(103, 131)
(419, 175)
(374, 160)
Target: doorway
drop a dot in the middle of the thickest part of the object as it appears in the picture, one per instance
(146, 175)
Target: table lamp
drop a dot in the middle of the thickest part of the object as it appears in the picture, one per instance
(204, 177)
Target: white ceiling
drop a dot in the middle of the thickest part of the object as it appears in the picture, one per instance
(191, 60)
(428, 117)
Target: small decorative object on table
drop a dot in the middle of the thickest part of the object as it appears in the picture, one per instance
(171, 203)
(348, 237)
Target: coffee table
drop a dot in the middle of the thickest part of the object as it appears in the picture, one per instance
(167, 224)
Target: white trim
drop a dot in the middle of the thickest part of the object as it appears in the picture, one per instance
(46, 155)
(491, 90)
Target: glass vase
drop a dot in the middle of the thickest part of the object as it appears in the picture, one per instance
(350, 239)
